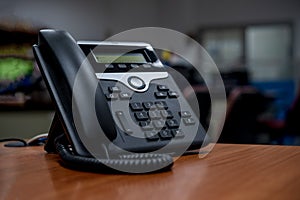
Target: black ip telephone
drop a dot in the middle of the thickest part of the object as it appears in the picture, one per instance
(137, 104)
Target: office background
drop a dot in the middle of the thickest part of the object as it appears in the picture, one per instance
(262, 37)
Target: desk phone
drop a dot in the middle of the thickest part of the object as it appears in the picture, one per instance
(138, 104)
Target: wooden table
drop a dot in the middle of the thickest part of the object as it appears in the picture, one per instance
(228, 172)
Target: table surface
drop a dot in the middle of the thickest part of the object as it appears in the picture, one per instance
(228, 172)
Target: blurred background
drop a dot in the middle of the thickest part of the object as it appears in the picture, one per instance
(255, 44)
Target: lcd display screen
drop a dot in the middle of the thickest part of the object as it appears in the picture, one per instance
(117, 58)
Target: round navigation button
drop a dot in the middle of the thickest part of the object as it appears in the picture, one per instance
(136, 82)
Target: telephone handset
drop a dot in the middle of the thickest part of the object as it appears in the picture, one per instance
(137, 104)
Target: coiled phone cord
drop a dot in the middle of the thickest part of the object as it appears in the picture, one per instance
(141, 162)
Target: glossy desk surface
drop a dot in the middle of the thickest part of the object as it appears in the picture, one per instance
(228, 172)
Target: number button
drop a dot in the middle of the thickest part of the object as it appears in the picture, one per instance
(165, 134)
(166, 114)
(154, 114)
(136, 106)
(151, 135)
(146, 125)
(141, 116)
(161, 105)
(172, 123)
(159, 124)
(149, 105)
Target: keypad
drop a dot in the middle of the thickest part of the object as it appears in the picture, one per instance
(154, 116)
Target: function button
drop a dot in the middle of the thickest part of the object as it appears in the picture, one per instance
(125, 95)
(160, 94)
(172, 123)
(157, 65)
(165, 134)
(151, 135)
(173, 94)
(189, 121)
(159, 124)
(185, 114)
(141, 116)
(146, 125)
(148, 105)
(134, 66)
(162, 88)
(124, 122)
(109, 66)
(111, 96)
(147, 65)
(136, 106)
(166, 114)
(161, 105)
(154, 114)
(122, 66)
(136, 82)
(114, 89)
(178, 133)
